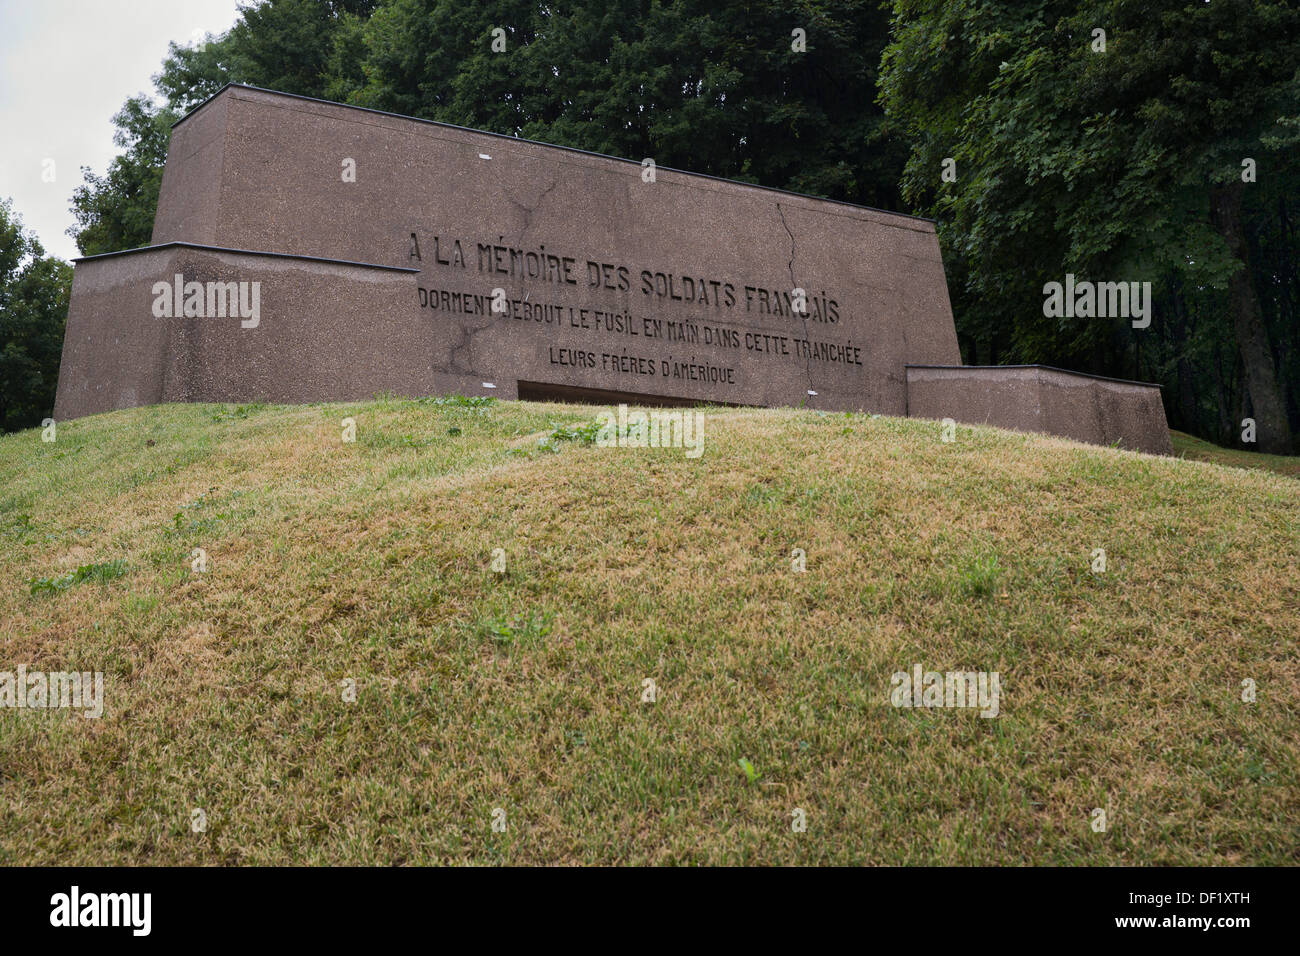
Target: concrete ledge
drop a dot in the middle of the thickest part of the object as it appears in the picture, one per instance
(325, 330)
(1039, 398)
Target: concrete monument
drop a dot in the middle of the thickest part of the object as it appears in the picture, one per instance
(310, 251)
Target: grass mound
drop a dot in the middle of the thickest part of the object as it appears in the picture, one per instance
(459, 639)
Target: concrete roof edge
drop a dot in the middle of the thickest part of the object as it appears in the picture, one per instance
(1049, 368)
(536, 142)
(243, 252)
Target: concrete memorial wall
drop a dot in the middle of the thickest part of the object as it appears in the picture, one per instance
(397, 255)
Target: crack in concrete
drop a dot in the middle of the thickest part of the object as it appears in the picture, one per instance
(794, 284)
(464, 343)
(530, 209)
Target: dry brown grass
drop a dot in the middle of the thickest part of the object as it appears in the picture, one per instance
(522, 691)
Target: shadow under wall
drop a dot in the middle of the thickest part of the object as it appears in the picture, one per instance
(573, 394)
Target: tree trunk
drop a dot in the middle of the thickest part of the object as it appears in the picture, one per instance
(1242, 393)
(1273, 433)
(1222, 399)
(1188, 409)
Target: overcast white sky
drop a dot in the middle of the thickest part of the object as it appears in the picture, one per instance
(66, 66)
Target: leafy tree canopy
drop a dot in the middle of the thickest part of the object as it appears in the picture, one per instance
(34, 292)
(1121, 163)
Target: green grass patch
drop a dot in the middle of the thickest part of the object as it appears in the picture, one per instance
(100, 573)
(1198, 449)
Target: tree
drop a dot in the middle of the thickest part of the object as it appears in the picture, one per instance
(1123, 163)
(116, 211)
(34, 292)
(713, 87)
(309, 47)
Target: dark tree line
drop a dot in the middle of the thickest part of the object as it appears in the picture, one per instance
(1163, 150)
(33, 306)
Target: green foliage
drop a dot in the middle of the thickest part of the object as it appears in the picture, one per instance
(709, 87)
(979, 576)
(712, 87)
(116, 211)
(1105, 164)
(511, 631)
(460, 401)
(230, 413)
(582, 434)
(34, 290)
(98, 573)
(308, 47)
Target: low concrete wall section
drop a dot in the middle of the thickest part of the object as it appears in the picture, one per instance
(324, 330)
(1038, 398)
